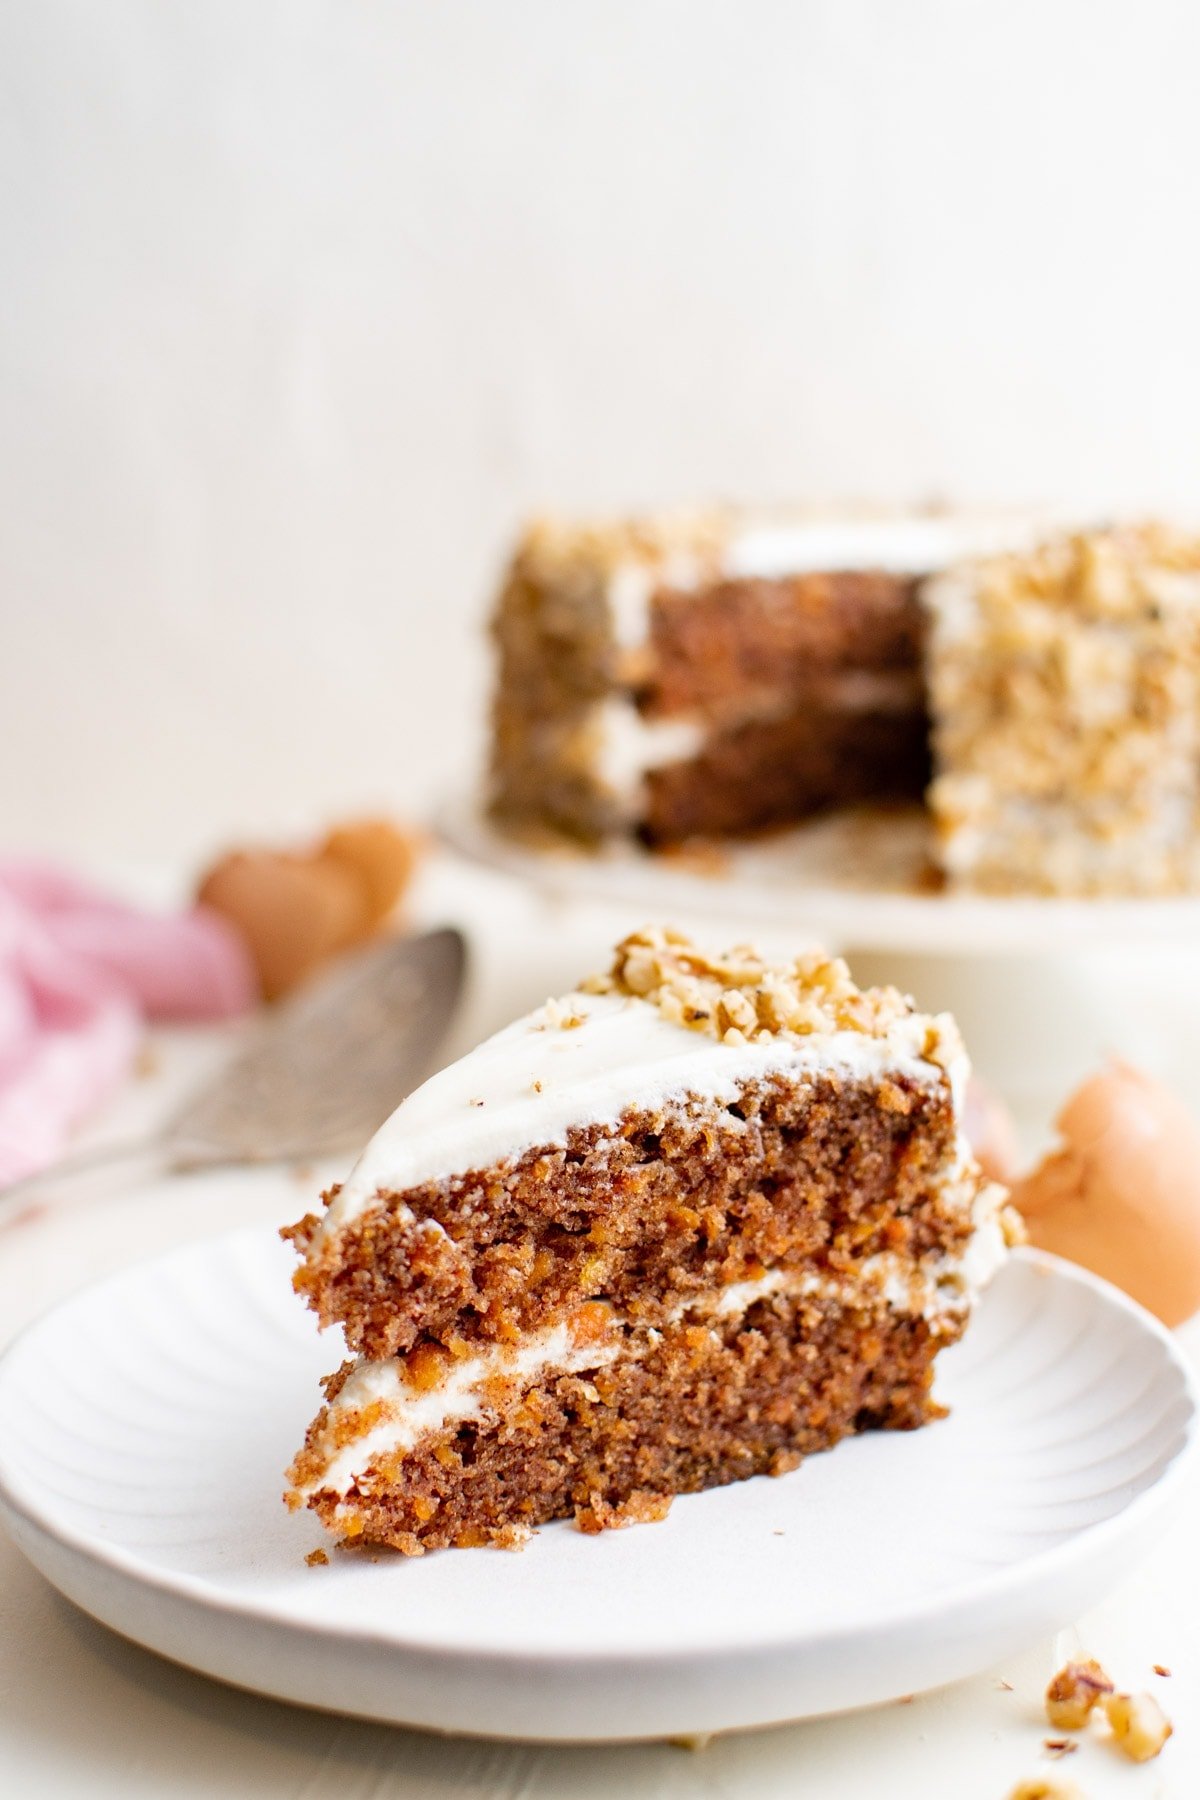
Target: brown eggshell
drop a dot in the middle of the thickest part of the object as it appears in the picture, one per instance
(1122, 1194)
(293, 911)
(379, 854)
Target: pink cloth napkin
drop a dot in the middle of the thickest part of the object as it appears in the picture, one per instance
(79, 973)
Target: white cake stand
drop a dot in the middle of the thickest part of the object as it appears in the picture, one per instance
(855, 878)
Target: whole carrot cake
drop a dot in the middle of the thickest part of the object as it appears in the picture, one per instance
(700, 1218)
(713, 675)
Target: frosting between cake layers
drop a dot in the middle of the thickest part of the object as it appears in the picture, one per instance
(586, 1061)
(629, 746)
(941, 1286)
(409, 1415)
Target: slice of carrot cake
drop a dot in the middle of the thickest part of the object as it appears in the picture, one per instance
(691, 1223)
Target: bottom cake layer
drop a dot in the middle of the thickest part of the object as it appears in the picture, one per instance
(768, 773)
(617, 1423)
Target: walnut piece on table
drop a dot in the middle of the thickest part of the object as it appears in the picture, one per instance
(1073, 1693)
(1139, 1724)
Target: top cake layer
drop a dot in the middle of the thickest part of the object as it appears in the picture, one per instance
(666, 1022)
(686, 549)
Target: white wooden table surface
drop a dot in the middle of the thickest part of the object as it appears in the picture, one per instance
(83, 1713)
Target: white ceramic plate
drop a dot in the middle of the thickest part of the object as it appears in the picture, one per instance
(854, 879)
(144, 1426)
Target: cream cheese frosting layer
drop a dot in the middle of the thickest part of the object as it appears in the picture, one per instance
(407, 1415)
(629, 747)
(400, 1416)
(585, 1061)
(913, 545)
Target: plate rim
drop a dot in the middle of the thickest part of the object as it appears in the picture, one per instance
(199, 1591)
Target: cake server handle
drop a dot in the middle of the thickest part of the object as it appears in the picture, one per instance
(318, 1073)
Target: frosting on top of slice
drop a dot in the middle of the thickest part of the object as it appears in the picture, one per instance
(666, 1023)
(684, 547)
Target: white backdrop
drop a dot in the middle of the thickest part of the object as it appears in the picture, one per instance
(305, 304)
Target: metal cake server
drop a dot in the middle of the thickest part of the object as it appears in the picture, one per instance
(320, 1072)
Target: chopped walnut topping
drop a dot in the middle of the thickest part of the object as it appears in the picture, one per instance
(562, 553)
(562, 1017)
(1073, 1692)
(738, 998)
(1139, 1724)
(1102, 574)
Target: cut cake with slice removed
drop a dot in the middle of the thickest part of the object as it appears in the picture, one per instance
(699, 1219)
(716, 673)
